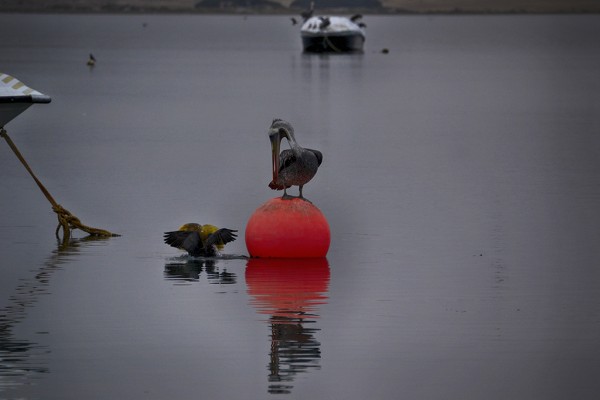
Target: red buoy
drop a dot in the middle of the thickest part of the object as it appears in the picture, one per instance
(287, 229)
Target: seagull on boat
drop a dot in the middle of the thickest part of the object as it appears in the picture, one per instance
(325, 22)
(295, 166)
(200, 240)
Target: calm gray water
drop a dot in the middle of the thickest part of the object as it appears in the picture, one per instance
(460, 179)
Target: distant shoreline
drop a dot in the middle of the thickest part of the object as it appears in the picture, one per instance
(8, 6)
(290, 12)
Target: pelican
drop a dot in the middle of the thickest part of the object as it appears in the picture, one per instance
(293, 167)
(200, 240)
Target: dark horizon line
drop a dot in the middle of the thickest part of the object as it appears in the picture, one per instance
(284, 11)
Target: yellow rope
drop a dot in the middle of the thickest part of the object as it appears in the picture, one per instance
(66, 220)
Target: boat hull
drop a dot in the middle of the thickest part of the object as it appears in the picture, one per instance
(351, 42)
(16, 97)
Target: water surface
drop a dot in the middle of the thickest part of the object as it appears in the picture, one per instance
(460, 180)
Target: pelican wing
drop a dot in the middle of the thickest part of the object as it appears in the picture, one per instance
(317, 154)
(277, 186)
(286, 159)
(186, 240)
(221, 236)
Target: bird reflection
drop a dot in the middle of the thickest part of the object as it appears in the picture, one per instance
(293, 350)
(190, 269)
(290, 292)
(20, 360)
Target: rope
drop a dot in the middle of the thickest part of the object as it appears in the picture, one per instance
(66, 220)
(326, 38)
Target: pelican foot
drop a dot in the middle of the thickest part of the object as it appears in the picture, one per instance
(303, 198)
(290, 197)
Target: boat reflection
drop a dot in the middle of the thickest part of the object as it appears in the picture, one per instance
(23, 361)
(290, 292)
(189, 270)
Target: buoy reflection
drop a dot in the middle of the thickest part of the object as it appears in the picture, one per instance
(290, 292)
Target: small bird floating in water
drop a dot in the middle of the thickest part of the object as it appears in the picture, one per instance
(293, 167)
(200, 240)
(91, 61)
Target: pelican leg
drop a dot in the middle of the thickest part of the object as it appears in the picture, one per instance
(285, 195)
(302, 197)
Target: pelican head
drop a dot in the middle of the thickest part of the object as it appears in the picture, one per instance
(279, 129)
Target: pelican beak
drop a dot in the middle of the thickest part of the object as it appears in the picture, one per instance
(275, 143)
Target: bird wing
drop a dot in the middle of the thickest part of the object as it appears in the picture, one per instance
(277, 186)
(221, 236)
(186, 240)
(286, 159)
(317, 154)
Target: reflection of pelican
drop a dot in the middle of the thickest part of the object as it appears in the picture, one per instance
(200, 240)
(295, 166)
(289, 291)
